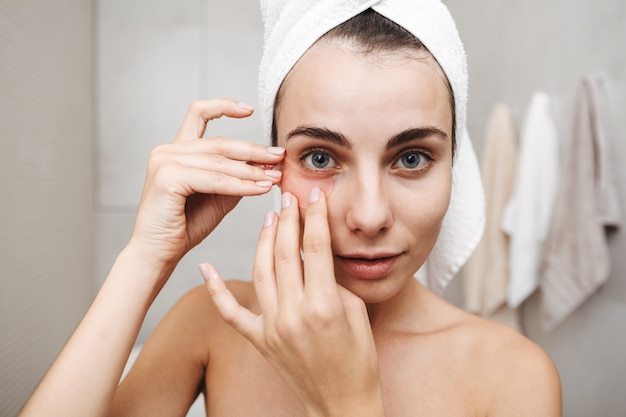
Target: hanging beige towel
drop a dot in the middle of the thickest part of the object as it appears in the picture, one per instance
(486, 275)
(576, 254)
(529, 211)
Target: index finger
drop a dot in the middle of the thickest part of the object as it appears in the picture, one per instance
(202, 111)
(319, 270)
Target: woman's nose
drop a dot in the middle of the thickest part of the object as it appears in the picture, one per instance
(368, 211)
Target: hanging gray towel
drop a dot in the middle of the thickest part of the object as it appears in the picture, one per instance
(576, 255)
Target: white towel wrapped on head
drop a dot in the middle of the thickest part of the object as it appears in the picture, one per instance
(292, 26)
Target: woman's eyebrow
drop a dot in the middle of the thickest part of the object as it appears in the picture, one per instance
(320, 133)
(415, 133)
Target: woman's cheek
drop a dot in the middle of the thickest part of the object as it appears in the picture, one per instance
(299, 182)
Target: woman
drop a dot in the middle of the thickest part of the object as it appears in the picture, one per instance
(365, 126)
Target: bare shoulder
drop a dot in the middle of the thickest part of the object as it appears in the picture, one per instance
(170, 370)
(519, 377)
(194, 319)
(197, 301)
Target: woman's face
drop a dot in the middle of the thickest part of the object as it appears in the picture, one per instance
(373, 132)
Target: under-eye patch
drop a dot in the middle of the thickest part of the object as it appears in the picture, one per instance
(298, 180)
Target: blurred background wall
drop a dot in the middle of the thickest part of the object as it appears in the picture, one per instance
(88, 88)
(153, 58)
(515, 48)
(46, 185)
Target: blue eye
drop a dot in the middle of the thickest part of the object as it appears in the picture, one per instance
(319, 160)
(411, 160)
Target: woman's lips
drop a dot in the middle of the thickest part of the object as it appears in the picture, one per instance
(368, 267)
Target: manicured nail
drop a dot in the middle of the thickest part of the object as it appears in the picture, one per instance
(285, 200)
(269, 219)
(273, 174)
(246, 106)
(314, 195)
(264, 184)
(207, 272)
(276, 150)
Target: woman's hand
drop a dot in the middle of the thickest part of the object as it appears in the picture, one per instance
(193, 183)
(314, 332)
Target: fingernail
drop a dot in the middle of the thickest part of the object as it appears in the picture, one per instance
(276, 150)
(285, 200)
(314, 195)
(246, 106)
(206, 272)
(273, 174)
(264, 184)
(269, 219)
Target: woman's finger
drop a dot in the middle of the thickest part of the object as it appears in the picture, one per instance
(202, 111)
(186, 181)
(235, 149)
(263, 273)
(319, 274)
(216, 163)
(240, 318)
(287, 259)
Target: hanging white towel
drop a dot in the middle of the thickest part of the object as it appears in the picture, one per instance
(529, 212)
(486, 275)
(576, 256)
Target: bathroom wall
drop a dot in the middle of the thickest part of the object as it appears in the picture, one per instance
(46, 216)
(515, 48)
(155, 57)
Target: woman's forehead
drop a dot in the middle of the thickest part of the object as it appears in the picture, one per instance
(334, 86)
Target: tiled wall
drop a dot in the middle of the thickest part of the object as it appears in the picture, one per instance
(515, 48)
(46, 216)
(154, 58)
